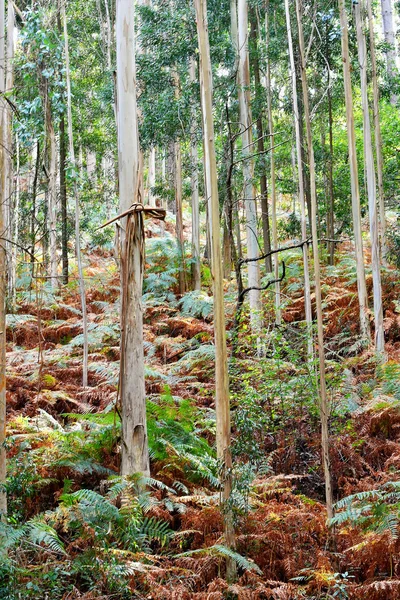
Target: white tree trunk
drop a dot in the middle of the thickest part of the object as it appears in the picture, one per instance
(152, 176)
(324, 403)
(77, 209)
(194, 179)
(179, 199)
(10, 213)
(278, 316)
(303, 215)
(371, 182)
(389, 33)
(253, 268)
(3, 470)
(378, 135)
(355, 190)
(52, 198)
(135, 455)
(221, 359)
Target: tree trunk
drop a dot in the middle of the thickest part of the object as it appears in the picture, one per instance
(194, 180)
(300, 172)
(3, 267)
(260, 151)
(77, 210)
(178, 200)
(10, 213)
(33, 210)
(63, 189)
(51, 172)
(63, 199)
(231, 213)
(135, 455)
(152, 176)
(355, 191)
(221, 359)
(324, 404)
(371, 182)
(378, 136)
(389, 33)
(253, 268)
(278, 317)
(330, 212)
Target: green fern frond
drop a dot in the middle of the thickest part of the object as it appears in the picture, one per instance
(42, 533)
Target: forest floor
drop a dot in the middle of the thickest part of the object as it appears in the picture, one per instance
(63, 438)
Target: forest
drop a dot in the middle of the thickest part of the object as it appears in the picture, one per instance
(199, 299)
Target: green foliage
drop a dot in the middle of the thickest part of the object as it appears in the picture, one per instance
(196, 304)
(218, 550)
(374, 510)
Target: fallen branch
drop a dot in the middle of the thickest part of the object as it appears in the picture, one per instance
(307, 241)
(149, 211)
(240, 301)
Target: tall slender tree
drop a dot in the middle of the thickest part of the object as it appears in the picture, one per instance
(378, 134)
(135, 455)
(324, 403)
(194, 180)
(221, 359)
(303, 215)
(3, 274)
(389, 33)
(371, 181)
(278, 317)
(246, 124)
(355, 190)
(77, 208)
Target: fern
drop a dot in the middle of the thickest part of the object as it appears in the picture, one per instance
(196, 304)
(373, 510)
(220, 550)
(42, 533)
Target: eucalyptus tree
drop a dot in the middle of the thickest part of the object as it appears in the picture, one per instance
(135, 455)
(3, 275)
(303, 216)
(221, 359)
(371, 181)
(378, 133)
(194, 181)
(324, 403)
(391, 51)
(250, 200)
(77, 209)
(10, 213)
(278, 317)
(353, 165)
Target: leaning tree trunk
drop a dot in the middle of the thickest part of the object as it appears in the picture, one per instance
(378, 135)
(389, 33)
(77, 209)
(355, 190)
(324, 403)
(3, 266)
(302, 200)
(253, 268)
(221, 359)
(135, 455)
(371, 182)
